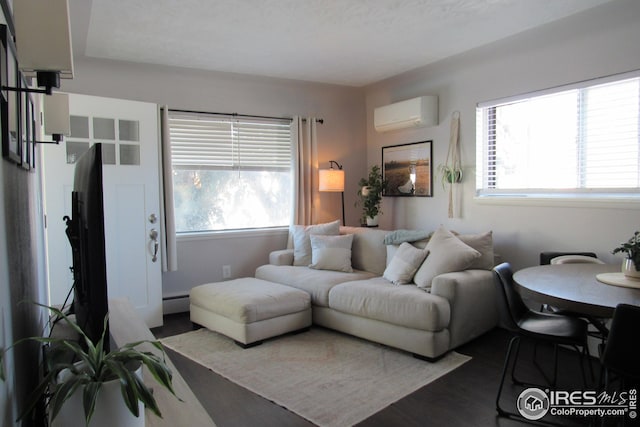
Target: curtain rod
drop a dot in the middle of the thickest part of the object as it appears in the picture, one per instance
(321, 121)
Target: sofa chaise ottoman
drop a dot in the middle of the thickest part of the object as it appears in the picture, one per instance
(448, 301)
(249, 310)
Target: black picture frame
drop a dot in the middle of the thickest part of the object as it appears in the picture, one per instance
(10, 102)
(398, 163)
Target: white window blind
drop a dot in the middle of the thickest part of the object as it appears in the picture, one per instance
(209, 142)
(575, 141)
(230, 173)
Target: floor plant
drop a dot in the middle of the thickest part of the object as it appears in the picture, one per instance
(72, 366)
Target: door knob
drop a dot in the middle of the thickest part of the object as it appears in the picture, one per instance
(153, 235)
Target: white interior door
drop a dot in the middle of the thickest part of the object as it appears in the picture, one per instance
(128, 131)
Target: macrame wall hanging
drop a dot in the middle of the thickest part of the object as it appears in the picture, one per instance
(451, 171)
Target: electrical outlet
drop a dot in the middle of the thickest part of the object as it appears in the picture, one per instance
(226, 271)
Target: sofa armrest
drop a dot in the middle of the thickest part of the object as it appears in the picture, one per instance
(281, 257)
(472, 297)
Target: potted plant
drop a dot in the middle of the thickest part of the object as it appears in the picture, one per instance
(450, 174)
(88, 380)
(631, 263)
(370, 195)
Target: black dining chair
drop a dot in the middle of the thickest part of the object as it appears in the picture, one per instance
(620, 355)
(540, 327)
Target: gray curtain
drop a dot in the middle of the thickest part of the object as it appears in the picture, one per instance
(305, 192)
(168, 238)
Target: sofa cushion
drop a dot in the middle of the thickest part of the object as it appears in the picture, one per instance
(317, 283)
(379, 299)
(482, 243)
(447, 253)
(404, 264)
(331, 252)
(302, 243)
(368, 253)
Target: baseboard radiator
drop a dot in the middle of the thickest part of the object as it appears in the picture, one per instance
(175, 304)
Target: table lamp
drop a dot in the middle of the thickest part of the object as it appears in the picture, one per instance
(332, 180)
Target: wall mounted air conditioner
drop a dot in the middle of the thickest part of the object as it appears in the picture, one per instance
(415, 112)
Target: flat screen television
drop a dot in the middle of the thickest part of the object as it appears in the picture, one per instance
(85, 230)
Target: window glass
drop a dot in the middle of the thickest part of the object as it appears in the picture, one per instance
(104, 128)
(129, 154)
(224, 200)
(75, 149)
(79, 126)
(230, 173)
(573, 141)
(129, 130)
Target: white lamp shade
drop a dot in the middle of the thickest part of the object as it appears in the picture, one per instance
(56, 114)
(43, 36)
(331, 180)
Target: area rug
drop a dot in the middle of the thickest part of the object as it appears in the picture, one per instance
(331, 379)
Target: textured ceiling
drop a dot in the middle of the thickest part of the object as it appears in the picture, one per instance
(348, 42)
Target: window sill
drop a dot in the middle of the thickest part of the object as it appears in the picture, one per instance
(557, 201)
(232, 234)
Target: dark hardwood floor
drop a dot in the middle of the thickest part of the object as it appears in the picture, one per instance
(462, 398)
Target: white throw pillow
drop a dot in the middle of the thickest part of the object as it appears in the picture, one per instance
(331, 252)
(404, 264)
(301, 243)
(447, 253)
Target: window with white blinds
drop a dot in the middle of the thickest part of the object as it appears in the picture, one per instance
(230, 173)
(208, 142)
(575, 141)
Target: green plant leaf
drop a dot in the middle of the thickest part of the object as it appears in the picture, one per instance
(631, 248)
(146, 396)
(162, 374)
(156, 366)
(89, 398)
(127, 386)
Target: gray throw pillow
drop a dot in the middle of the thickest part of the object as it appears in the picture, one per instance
(404, 264)
(447, 253)
(483, 243)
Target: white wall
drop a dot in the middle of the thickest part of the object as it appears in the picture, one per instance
(341, 138)
(595, 43)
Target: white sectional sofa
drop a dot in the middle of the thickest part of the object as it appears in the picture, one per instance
(449, 298)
